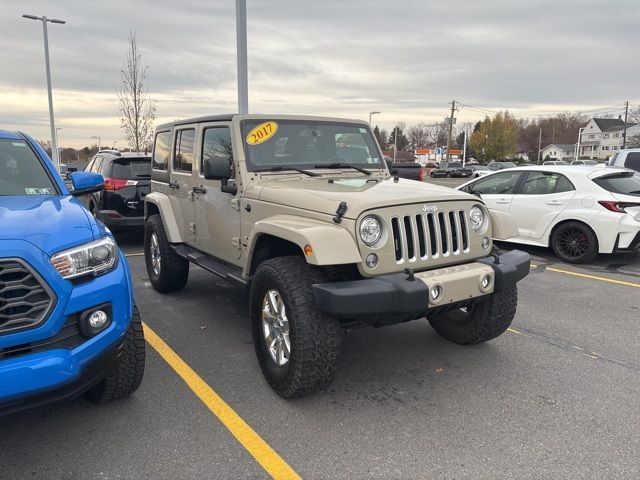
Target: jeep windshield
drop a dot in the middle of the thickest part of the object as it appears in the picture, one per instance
(276, 145)
(21, 172)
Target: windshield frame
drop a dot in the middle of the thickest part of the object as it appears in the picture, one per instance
(252, 167)
(54, 182)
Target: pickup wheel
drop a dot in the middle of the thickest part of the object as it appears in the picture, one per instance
(167, 270)
(481, 321)
(127, 376)
(297, 346)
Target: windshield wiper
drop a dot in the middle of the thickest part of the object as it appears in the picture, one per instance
(282, 168)
(342, 165)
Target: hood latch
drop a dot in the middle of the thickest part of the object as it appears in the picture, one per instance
(342, 209)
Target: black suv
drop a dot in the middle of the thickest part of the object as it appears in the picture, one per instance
(126, 182)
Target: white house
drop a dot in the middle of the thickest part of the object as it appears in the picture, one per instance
(602, 137)
(559, 151)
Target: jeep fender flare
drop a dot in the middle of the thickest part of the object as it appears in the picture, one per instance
(331, 244)
(162, 203)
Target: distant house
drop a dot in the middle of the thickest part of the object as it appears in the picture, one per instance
(602, 137)
(558, 151)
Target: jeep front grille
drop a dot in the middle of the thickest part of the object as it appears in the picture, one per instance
(430, 235)
(25, 299)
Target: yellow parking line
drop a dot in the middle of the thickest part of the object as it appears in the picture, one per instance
(273, 464)
(590, 277)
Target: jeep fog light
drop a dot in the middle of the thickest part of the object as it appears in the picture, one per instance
(485, 282)
(435, 292)
(486, 243)
(371, 260)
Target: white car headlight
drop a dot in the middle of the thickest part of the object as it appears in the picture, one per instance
(370, 230)
(94, 258)
(478, 218)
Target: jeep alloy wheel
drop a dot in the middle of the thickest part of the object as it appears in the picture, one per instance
(155, 254)
(167, 270)
(275, 327)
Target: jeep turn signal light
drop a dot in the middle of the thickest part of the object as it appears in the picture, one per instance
(308, 250)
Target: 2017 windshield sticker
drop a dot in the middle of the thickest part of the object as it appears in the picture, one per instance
(261, 133)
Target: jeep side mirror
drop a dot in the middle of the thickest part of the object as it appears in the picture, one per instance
(219, 168)
(216, 168)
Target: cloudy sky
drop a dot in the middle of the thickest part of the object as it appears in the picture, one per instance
(405, 58)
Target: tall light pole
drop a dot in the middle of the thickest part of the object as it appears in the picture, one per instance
(54, 142)
(99, 143)
(371, 114)
(241, 45)
(539, 145)
(578, 144)
(464, 147)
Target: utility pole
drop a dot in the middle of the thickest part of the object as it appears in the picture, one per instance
(624, 133)
(395, 142)
(539, 145)
(54, 142)
(578, 144)
(453, 110)
(241, 45)
(464, 148)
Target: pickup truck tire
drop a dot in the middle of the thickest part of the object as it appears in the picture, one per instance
(172, 272)
(482, 321)
(314, 338)
(127, 376)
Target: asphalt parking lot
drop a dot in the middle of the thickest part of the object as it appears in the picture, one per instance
(555, 396)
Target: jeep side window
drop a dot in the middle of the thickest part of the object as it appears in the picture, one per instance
(161, 151)
(216, 144)
(183, 155)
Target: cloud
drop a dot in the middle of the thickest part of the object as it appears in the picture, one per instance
(406, 59)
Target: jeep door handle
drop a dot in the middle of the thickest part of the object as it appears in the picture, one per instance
(174, 184)
(200, 190)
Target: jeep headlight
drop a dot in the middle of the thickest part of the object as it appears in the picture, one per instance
(370, 230)
(479, 219)
(93, 258)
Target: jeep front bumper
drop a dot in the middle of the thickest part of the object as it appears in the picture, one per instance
(398, 297)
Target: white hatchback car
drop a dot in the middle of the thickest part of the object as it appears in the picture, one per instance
(578, 211)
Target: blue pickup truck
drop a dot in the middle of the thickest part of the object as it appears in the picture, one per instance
(68, 322)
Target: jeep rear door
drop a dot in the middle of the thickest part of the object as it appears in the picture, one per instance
(217, 213)
(181, 180)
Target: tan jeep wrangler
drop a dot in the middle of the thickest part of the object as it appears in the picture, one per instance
(304, 211)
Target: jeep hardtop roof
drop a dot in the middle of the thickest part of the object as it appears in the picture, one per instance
(229, 117)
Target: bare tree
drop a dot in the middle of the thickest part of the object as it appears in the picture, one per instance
(137, 109)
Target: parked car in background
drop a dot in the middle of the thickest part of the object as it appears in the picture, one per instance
(555, 162)
(127, 177)
(584, 162)
(408, 170)
(629, 158)
(578, 211)
(479, 170)
(494, 166)
(68, 321)
(451, 169)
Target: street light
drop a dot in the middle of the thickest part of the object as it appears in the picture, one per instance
(54, 142)
(99, 143)
(578, 145)
(371, 114)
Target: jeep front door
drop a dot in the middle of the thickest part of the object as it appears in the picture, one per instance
(217, 212)
(181, 182)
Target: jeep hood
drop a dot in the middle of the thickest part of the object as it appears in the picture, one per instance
(50, 223)
(361, 194)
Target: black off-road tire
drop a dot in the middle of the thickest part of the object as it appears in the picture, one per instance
(174, 270)
(586, 235)
(484, 320)
(127, 376)
(314, 337)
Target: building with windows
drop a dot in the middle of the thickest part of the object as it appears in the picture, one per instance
(602, 137)
(558, 151)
